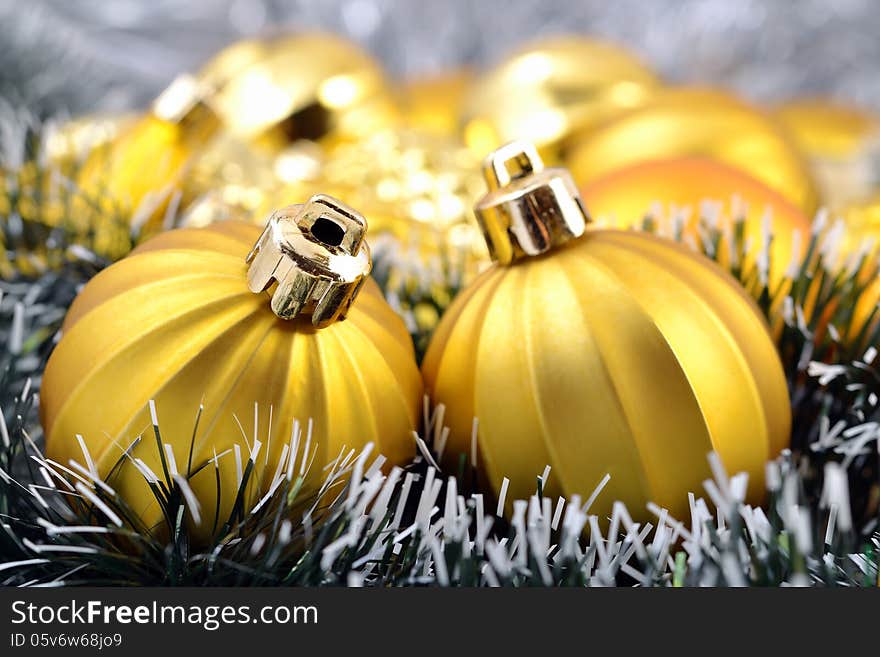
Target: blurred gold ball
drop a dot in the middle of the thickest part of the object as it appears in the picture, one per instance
(550, 90)
(861, 220)
(691, 187)
(842, 144)
(136, 175)
(433, 103)
(700, 122)
(312, 86)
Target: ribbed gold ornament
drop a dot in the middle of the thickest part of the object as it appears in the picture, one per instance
(601, 352)
(183, 321)
(699, 122)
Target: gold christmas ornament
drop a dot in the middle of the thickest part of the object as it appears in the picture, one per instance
(686, 189)
(137, 174)
(601, 352)
(842, 144)
(310, 86)
(705, 123)
(549, 91)
(184, 321)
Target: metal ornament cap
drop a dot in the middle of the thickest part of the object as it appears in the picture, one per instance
(529, 209)
(316, 255)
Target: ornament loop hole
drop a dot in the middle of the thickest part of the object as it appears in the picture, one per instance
(511, 161)
(328, 231)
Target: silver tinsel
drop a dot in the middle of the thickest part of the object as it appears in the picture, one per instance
(88, 54)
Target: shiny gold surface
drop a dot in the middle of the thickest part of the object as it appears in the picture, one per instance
(699, 122)
(691, 187)
(842, 144)
(549, 91)
(528, 209)
(616, 353)
(300, 86)
(316, 258)
(176, 322)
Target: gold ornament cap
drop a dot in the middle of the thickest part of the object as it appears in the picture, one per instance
(317, 256)
(529, 209)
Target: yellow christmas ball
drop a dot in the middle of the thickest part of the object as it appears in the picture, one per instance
(182, 321)
(136, 175)
(700, 122)
(691, 186)
(550, 90)
(842, 144)
(433, 103)
(310, 86)
(598, 351)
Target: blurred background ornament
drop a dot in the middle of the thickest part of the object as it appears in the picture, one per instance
(433, 103)
(677, 193)
(602, 356)
(288, 87)
(549, 91)
(862, 221)
(140, 171)
(842, 144)
(702, 122)
(177, 322)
